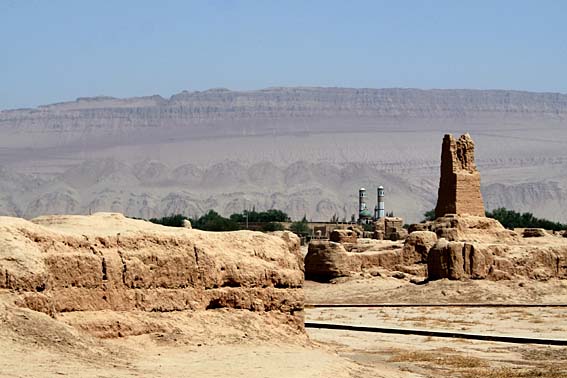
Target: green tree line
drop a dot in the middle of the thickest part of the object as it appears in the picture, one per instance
(254, 216)
(213, 221)
(512, 219)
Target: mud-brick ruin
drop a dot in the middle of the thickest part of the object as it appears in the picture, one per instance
(459, 185)
(460, 244)
(110, 275)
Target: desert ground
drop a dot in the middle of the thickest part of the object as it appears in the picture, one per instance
(204, 345)
(421, 356)
(105, 295)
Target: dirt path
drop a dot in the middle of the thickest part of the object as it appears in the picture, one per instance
(440, 357)
(392, 290)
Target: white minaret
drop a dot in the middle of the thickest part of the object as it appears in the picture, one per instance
(380, 205)
(361, 200)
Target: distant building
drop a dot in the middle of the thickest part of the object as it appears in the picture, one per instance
(364, 215)
(379, 209)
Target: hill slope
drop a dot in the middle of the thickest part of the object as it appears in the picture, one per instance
(304, 150)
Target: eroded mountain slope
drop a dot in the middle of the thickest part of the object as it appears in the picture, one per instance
(304, 150)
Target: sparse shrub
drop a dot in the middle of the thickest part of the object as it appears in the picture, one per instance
(429, 215)
(272, 226)
(300, 228)
(171, 220)
(212, 221)
(253, 216)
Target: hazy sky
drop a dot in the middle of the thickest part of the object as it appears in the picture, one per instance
(58, 50)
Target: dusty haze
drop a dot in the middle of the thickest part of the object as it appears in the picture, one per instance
(302, 150)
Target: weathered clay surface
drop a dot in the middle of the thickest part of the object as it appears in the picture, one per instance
(343, 236)
(326, 260)
(417, 246)
(469, 228)
(445, 260)
(478, 260)
(108, 262)
(389, 228)
(533, 233)
(454, 247)
(458, 260)
(459, 185)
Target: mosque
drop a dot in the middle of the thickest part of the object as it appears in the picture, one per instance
(364, 214)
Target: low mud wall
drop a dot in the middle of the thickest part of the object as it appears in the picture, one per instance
(63, 264)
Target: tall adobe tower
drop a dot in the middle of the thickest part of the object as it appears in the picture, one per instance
(459, 185)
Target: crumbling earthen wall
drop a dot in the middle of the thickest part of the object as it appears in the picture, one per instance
(459, 185)
(343, 236)
(108, 262)
(470, 228)
(389, 228)
(462, 260)
(453, 247)
(326, 260)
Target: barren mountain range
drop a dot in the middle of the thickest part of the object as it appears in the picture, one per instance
(302, 150)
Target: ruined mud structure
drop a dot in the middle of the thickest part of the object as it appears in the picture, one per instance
(389, 228)
(460, 244)
(473, 246)
(82, 265)
(459, 185)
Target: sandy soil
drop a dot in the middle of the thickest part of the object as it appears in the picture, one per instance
(391, 290)
(213, 343)
(35, 345)
(440, 357)
(145, 358)
(416, 356)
